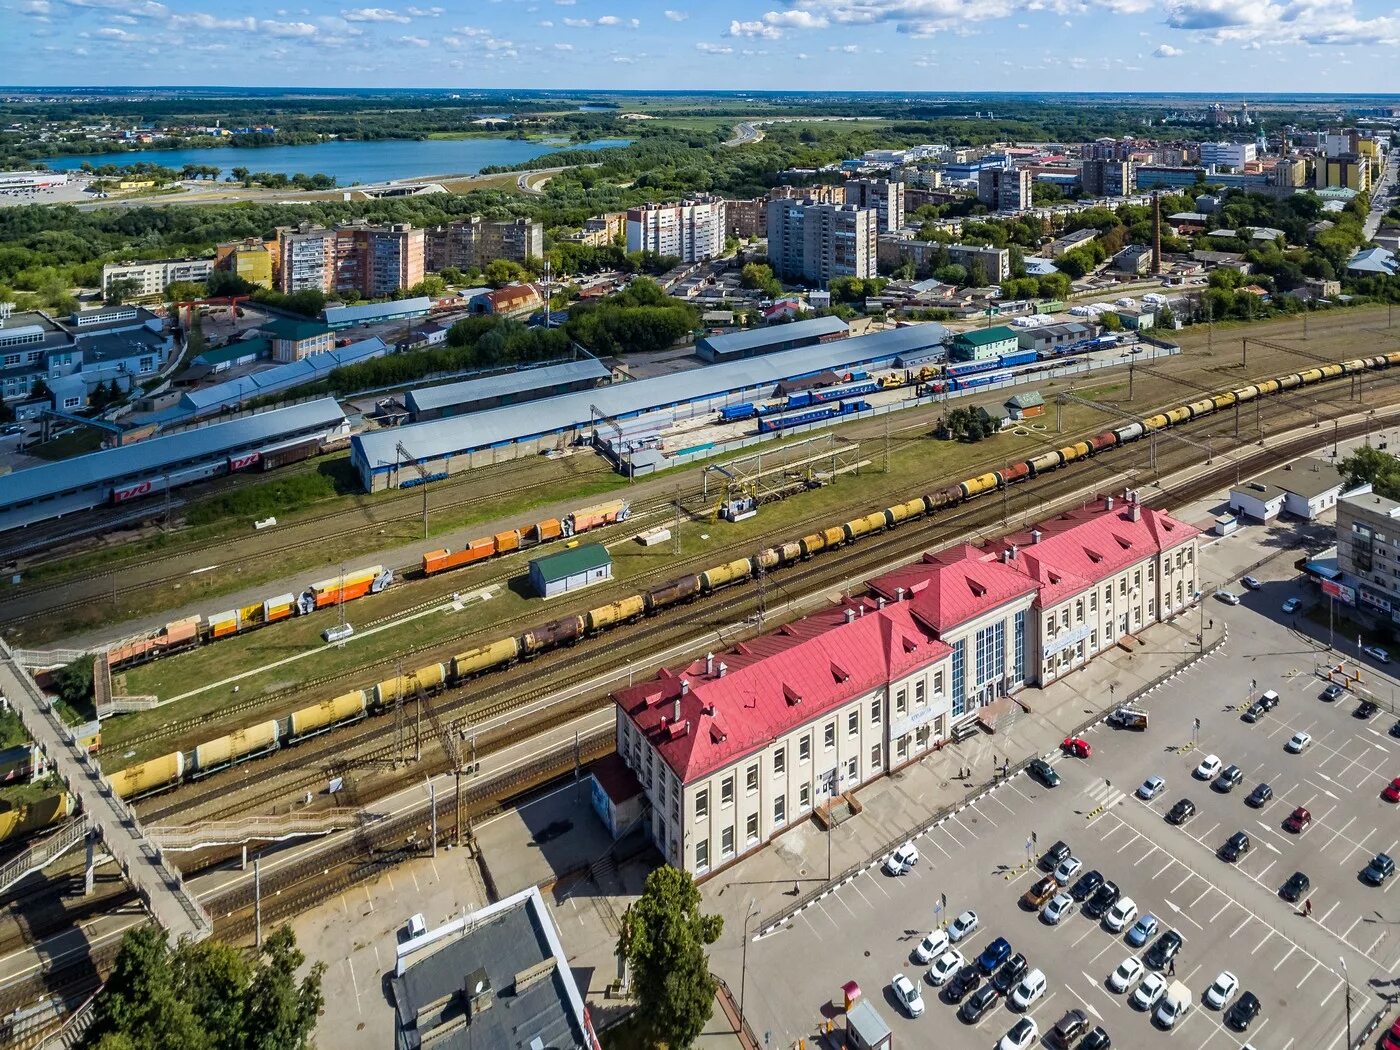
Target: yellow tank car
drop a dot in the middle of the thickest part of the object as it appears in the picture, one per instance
(717, 577)
(974, 487)
(1180, 414)
(1269, 386)
(835, 536)
(768, 558)
(1070, 453)
(348, 707)
(1331, 371)
(790, 552)
(485, 657)
(235, 747)
(620, 611)
(1393, 359)
(141, 779)
(391, 690)
(1157, 422)
(813, 544)
(913, 509)
(1225, 400)
(25, 819)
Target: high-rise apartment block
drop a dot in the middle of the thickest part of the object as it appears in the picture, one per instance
(251, 259)
(819, 242)
(469, 244)
(887, 198)
(1233, 155)
(691, 230)
(1107, 178)
(373, 260)
(1005, 189)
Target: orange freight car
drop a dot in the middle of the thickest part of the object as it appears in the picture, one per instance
(442, 560)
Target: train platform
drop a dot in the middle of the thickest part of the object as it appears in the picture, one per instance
(158, 884)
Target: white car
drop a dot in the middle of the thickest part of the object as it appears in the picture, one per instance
(932, 946)
(1128, 973)
(902, 860)
(1120, 916)
(964, 925)
(1031, 988)
(943, 968)
(1023, 1035)
(1147, 993)
(1057, 908)
(1298, 743)
(1151, 788)
(1219, 993)
(1228, 597)
(907, 992)
(1067, 869)
(1209, 768)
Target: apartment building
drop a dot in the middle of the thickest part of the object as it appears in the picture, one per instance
(1347, 171)
(374, 260)
(747, 218)
(895, 250)
(469, 244)
(1233, 155)
(820, 242)
(886, 197)
(1368, 554)
(692, 230)
(149, 280)
(1106, 178)
(251, 259)
(1005, 189)
(734, 749)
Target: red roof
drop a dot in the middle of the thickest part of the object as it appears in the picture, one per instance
(774, 683)
(954, 585)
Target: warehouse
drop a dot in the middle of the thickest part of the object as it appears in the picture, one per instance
(772, 339)
(570, 570)
(233, 393)
(510, 388)
(337, 317)
(449, 446)
(117, 475)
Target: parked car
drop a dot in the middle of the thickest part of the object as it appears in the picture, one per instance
(1259, 796)
(1042, 891)
(1297, 885)
(1085, 886)
(1146, 994)
(945, 967)
(1269, 698)
(1022, 1036)
(1332, 692)
(1228, 779)
(1076, 746)
(965, 980)
(1010, 973)
(1253, 712)
(994, 955)
(1151, 788)
(1182, 811)
(1390, 1039)
(1031, 988)
(1395, 728)
(1044, 772)
(1381, 868)
(978, 1003)
(931, 947)
(902, 860)
(963, 926)
(1123, 912)
(1105, 897)
(1375, 652)
(1052, 857)
(1057, 908)
(906, 992)
(1392, 791)
(1128, 973)
(1236, 847)
(1250, 583)
(1067, 869)
(11, 428)
(1297, 820)
(1228, 597)
(1096, 1040)
(1366, 710)
(1163, 950)
(1245, 1010)
(1143, 930)
(1298, 743)
(1221, 990)
(1070, 1027)
(1291, 605)
(1208, 768)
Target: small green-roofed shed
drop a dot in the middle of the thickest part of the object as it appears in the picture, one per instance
(570, 570)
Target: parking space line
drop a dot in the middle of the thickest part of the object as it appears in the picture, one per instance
(1307, 975)
(1329, 911)
(1218, 913)
(1203, 893)
(1265, 941)
(1335, 989)
(1347, 936)
(1333, 839)
(1187, 878)
(1292, 948)
(1377, 941)
(1153, 849)
(1163, 868)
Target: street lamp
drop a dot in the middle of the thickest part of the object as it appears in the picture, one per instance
(744, 966)
(1346, 977)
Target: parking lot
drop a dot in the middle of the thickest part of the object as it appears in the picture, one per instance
(1230, 916)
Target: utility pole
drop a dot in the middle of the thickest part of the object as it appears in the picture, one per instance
(423, 477)
(887, 468)
(432, 805)
(676, 532)
(257, 901)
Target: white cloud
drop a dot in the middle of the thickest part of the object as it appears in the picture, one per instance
(546, 24)
(425, 12)
(796, 19)
(578, 23)
(624, 60)
(676, 16)
(1282, 22)
(563, 47)
(415, 41)
(755, 28)
(133, 8)
(374, 14)
(1166, 51)
(609, 20)
(713, 49)
(287, 29)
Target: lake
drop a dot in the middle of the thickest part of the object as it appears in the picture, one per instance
(350, 161)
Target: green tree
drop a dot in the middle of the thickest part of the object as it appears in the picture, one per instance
(501, 272)
(120, 290)
(1111, 322)
(663, 940)
(1371, 466)
(40, 390)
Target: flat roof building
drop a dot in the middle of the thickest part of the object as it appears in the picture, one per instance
(508, 388)
(1304, 488)
(376, 313)
(771, 339)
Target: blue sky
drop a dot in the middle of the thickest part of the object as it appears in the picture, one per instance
(1236, 46)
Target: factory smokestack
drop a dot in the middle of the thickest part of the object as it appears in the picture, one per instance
(1156, 234)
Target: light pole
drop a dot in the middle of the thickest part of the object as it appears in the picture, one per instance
(1346, 978)
(744, 966)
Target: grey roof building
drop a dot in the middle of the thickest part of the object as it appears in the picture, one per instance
(497, 978)
(309, 369)
(509, 388)
(772, 339)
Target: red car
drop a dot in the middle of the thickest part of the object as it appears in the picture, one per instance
(1392, 793)
(1077, 747)
(1390, 1040)
(1297, 820)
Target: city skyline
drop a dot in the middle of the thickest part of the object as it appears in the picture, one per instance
(889, 45)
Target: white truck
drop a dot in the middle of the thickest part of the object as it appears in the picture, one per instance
(1174, 1005)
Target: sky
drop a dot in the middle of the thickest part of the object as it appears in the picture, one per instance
(1234, 46)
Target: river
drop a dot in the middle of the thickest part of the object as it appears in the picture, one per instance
(350, 161)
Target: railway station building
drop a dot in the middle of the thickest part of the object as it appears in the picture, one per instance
(733, 749)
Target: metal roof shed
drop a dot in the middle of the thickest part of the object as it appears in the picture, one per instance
(570, 570)
(866, 1029)
(771, 339)
(527, 384)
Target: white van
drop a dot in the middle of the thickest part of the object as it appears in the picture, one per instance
(1031, 988)
(1174, 1005)
(417, 925)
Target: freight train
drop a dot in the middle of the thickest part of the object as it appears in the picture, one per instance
(193, 631)
(169, 770)
(17, 822)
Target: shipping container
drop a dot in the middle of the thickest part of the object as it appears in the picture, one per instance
(507, 541)
(224, 624)
(442, 560)
(591, 517)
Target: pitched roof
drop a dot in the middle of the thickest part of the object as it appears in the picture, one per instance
(287, 328)
(984, 336)
(567, 563)
(954, 585)
(775, 682)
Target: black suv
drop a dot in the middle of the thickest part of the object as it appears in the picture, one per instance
(1297, 885)
(1010, 974)
(1096, 1040)
(1259, 796)
(1163, 950)
(1088, 884)
(1365, 709)
(1056, 853)
(1180, 813)
(978, 1003)
(1236, 846)
(968, 979)
(1245, 1010)
(1105, 898)
(1228, 779)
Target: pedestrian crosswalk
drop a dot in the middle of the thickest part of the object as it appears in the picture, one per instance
(1105, 796)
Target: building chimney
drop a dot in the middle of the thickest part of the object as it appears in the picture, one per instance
(676, 709)
(880, 603)
(850, 616)
(710, 664)
(1035, 536)
(1108, 503)
(1014, 551)
(1135, 513)
(899, 594)
(685, 687)
(723, 668)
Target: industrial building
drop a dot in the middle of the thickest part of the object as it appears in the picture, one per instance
(235, 392)
(449, 446)
(147, 468)
(570, 570)
(510, 388)
(337, 317)
(738, 345)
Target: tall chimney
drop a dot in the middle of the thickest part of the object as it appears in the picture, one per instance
(899, 594)
(1135, 513)
(676, 709)
(723, 668)
(1156, 234)
(850, 616)
(1108, 503)
(709, 663)
(1035, 536)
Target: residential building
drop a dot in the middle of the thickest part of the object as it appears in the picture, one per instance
(1005, 189)
(733, 749)
(125, 345)
(1106, 178)
(1071, 240)
(982, 344)
(294, 340)
(822, 194)
(1290, 173)
(469, 244)
(994, 262)
(886, 197)
(894, 250)
(149, 280)
(1134, 259)
(1349, 171)
(1379, 261)
(747, 218)
(819, 242)
(1304, 488)
(691, 230)
(374, 260)
(1368, 555)
(306, 260)
(252, 259)
(497, 977)
(1232, 155)
(601, 230)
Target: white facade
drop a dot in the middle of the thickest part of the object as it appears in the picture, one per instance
(691, 230)
(152, 278)
(1227, 154)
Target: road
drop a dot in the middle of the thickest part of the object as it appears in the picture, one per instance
(1381, 195)
(745, 134)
